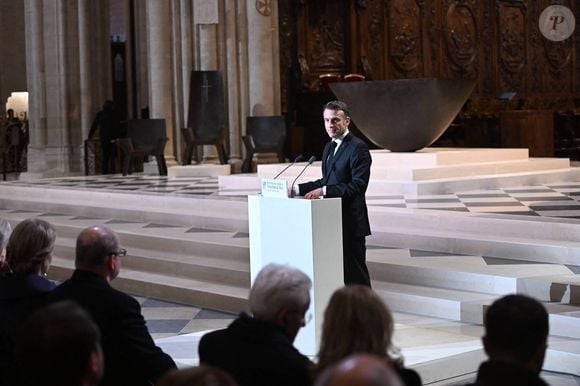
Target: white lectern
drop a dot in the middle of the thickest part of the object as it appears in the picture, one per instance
(305, 234)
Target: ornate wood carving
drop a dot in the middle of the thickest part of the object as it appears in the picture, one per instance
(497, 42)
(405, 37)
(326, 35)
(375, 50)
(487, 42)
(511, 33)
(461, 37)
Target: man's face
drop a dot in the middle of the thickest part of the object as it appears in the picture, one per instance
(295, 320)
(335, 123)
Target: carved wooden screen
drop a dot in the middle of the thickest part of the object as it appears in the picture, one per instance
(497, 42)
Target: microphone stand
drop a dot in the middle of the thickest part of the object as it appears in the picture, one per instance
(310, 161)
(297, 159)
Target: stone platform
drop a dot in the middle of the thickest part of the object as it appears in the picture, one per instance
(436, 170)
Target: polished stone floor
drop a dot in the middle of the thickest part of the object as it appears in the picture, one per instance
(430, 345)
(554, 200)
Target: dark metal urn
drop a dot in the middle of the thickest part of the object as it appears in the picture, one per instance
(404, 115)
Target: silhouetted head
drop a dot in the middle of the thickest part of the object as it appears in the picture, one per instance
(59, 345)
(516, 331)
(108, 105)
(202, 375)
(360, 370)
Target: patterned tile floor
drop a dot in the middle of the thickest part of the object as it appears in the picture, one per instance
(555, 200)
(165, 319)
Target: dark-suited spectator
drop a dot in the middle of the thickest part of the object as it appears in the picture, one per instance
(197, 376)
(515, 340)
(360, 370)
(356, 320)
(109, 124)
(257, 350)
(25, 288)
(59, 345)
(131, 357)
(5, 231)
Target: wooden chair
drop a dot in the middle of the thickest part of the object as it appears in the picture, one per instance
(194, 138)
(264, 134)
(145, 137)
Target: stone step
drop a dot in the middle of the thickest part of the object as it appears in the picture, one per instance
(217, 244)
(477, 223)
(210, 269)
(466, 307)
(565, 323)
(462, 273)
(434, 302)
(467, 183)
(397, 174)
(544, 251)
(193, 292)
(211, 212)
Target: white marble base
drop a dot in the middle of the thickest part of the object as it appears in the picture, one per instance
(438, 170)
(202, 170)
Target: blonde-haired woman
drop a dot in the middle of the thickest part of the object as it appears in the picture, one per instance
(24, 288)
(356, 321)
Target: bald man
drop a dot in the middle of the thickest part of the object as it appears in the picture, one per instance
(360, 370)
(131, 357)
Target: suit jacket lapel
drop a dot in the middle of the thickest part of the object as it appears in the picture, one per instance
(337, 155)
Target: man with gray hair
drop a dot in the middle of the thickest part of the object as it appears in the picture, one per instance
(257, 350)
(131, 357)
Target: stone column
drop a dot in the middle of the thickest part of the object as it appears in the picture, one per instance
(159, 47)
(263, 60)
(183, 50)
(64, 49)
(236, 54)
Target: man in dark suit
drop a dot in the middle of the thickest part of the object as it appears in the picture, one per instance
(257, 350)
(131, 357)
(515, 340)
(346, 170)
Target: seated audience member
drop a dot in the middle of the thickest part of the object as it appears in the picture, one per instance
(356, 320)
(257, 350)
(131, 357)
(25, 288)
(5, 231)
(515, 340)
(59, 345)
(360, 370)
(197, 376)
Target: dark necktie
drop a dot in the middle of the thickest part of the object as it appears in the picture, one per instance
(331, 153)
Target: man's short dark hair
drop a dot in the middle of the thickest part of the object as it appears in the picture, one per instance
(516, 325)
(337, 106)
(55, 344)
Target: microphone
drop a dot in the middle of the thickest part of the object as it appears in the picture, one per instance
(310, 161)
(297, 159)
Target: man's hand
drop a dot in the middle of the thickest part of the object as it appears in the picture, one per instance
(313, 194)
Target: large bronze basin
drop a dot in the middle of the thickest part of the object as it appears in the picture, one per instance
(406, 114)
